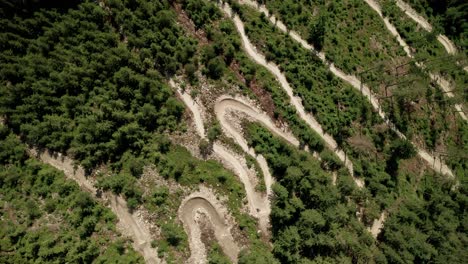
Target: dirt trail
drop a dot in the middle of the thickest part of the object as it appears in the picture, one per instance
(129, 224)
(444, 40)
(205, 202)
(377, 225)
(193, 107)
(238, 104)
(444, 84)
(436, 164)
(295, 101)
(259, 206)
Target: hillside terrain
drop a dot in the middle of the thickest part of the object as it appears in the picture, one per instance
(239, 131)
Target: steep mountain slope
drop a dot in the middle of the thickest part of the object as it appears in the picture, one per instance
(230, 132)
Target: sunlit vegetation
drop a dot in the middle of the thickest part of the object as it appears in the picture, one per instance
(310, 217)
(315, 220)
(340, 109)
(417, 106)
(349, 32)
(98, 92)
(46, 218)
(427, 48)
(224, 39)
(448, 17)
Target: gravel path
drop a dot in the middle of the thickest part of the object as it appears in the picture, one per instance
(205, 202)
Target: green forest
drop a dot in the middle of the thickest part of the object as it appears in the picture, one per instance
(46, 218)
(449, 17)
(90, 80)
(314, 219)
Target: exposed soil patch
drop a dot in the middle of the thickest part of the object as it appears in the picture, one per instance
(362, 144)
(264, 97)
(188, 24)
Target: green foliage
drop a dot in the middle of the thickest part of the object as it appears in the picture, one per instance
(201, 13)
(330, 161)
(429, 226)
(180, 165)
(190, 70)
(356, 40)
(174, 234)
(215, 68)
(257, 254)
(399, 149)
(205, 147)
(309, 217)
(11, 149)
(310, 79)
(214, 132)
(351, 34)
(47, 219)
(311, 221)
(448, 16)
(426, 46)
(317, 32)
(124, 184)
(216, 256)
(89, 92)
(159, 195)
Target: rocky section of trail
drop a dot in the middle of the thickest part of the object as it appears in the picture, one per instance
(205, 202)
(129, 224)
(436, 164)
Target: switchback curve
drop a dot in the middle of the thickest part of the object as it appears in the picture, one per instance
(259, 206)
(204, 202)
